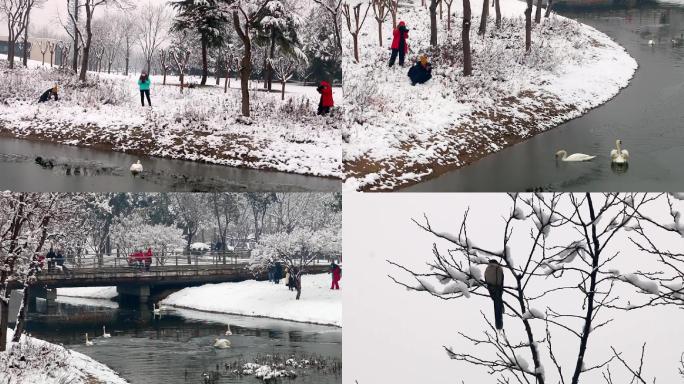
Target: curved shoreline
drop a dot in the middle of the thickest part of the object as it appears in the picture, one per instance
(557, 98)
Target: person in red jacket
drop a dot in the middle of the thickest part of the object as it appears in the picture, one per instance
(399, 44)
(336, 275)
(326, 98)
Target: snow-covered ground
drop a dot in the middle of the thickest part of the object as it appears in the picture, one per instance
(200, 124)
(89, 292)
(399, 134)
(318, 304)
(35, 361)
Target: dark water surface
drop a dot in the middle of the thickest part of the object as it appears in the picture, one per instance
(177, 348)
(648, 116)
(81, 169)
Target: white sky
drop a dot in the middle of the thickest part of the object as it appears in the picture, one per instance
(395, 336)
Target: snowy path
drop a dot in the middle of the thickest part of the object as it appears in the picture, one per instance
(402, 134)
(64, 365)
(318, 304)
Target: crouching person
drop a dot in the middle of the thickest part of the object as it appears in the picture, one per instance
(52, 92)
(421, 71)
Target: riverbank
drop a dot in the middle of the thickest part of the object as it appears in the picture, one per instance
(201, 124)
(317, 305)
(400, 135)
(34, 361)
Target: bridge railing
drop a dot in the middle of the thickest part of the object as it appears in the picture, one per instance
(177, 259)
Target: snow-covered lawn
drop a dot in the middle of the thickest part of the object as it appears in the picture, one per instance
(399, 134)
(318, 304)
(200, 124)
(89, 292)
(35, 361)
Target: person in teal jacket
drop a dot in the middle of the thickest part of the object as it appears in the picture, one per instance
(144, 85)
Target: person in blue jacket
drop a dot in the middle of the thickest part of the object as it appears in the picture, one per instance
(144, 85)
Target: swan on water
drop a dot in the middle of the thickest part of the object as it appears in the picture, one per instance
(156, 309)
(563, 154)
(88, 342)
(104, 333)
(228, 332)
(221, 343)
(650, 42)
(619, 155)
(136, 168)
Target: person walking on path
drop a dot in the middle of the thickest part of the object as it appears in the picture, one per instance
(52, 92)
(144, 85)
(327, 101)
(336, 275)
(399, 44)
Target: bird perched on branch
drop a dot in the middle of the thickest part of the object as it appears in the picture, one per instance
(494, 277)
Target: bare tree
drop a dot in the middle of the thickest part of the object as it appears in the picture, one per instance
(354, 26)
(393, 6)
(380, 11)
(497, 11)
(44, 46)
(284, 67)
(181, 56)
(549, 3)
(152, 27)
(52, 46)
(333, 9)
(245, 14)
(89, 6)
(15, 13)
(99, 55)
(164, 63)
(30, 4)
(433, 21)
(448, 4)
(582, 263)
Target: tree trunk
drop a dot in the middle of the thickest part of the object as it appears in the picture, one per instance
(86, 49)
(74, 62)
(528, 26)
(356, 47)
(483, 18)
(586, 330)
(380, 32)
(181, 81)
(548, 8)
(225, 85)
(205, 66)
(164, 78)
(4, 319)
(282, 95)
(497, 9)
(538, 12)
(10, 52)
(128, 57)
(269, 77)
(465, 36)
(433, 22)
(26, 42)
(21, 318)
(448, 16)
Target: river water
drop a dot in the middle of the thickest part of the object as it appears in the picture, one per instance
(81, 169)
(648, 116)
(177, 348)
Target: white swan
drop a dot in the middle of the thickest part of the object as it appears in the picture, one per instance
(156, 309)
(136, 168)
(221, 343)
(228, 332)
(651, 42)
(619, 155)
(104, 333)
(88, 342)
(574, 157)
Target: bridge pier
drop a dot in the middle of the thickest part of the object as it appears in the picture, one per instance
(139, 293)
(50, 296)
